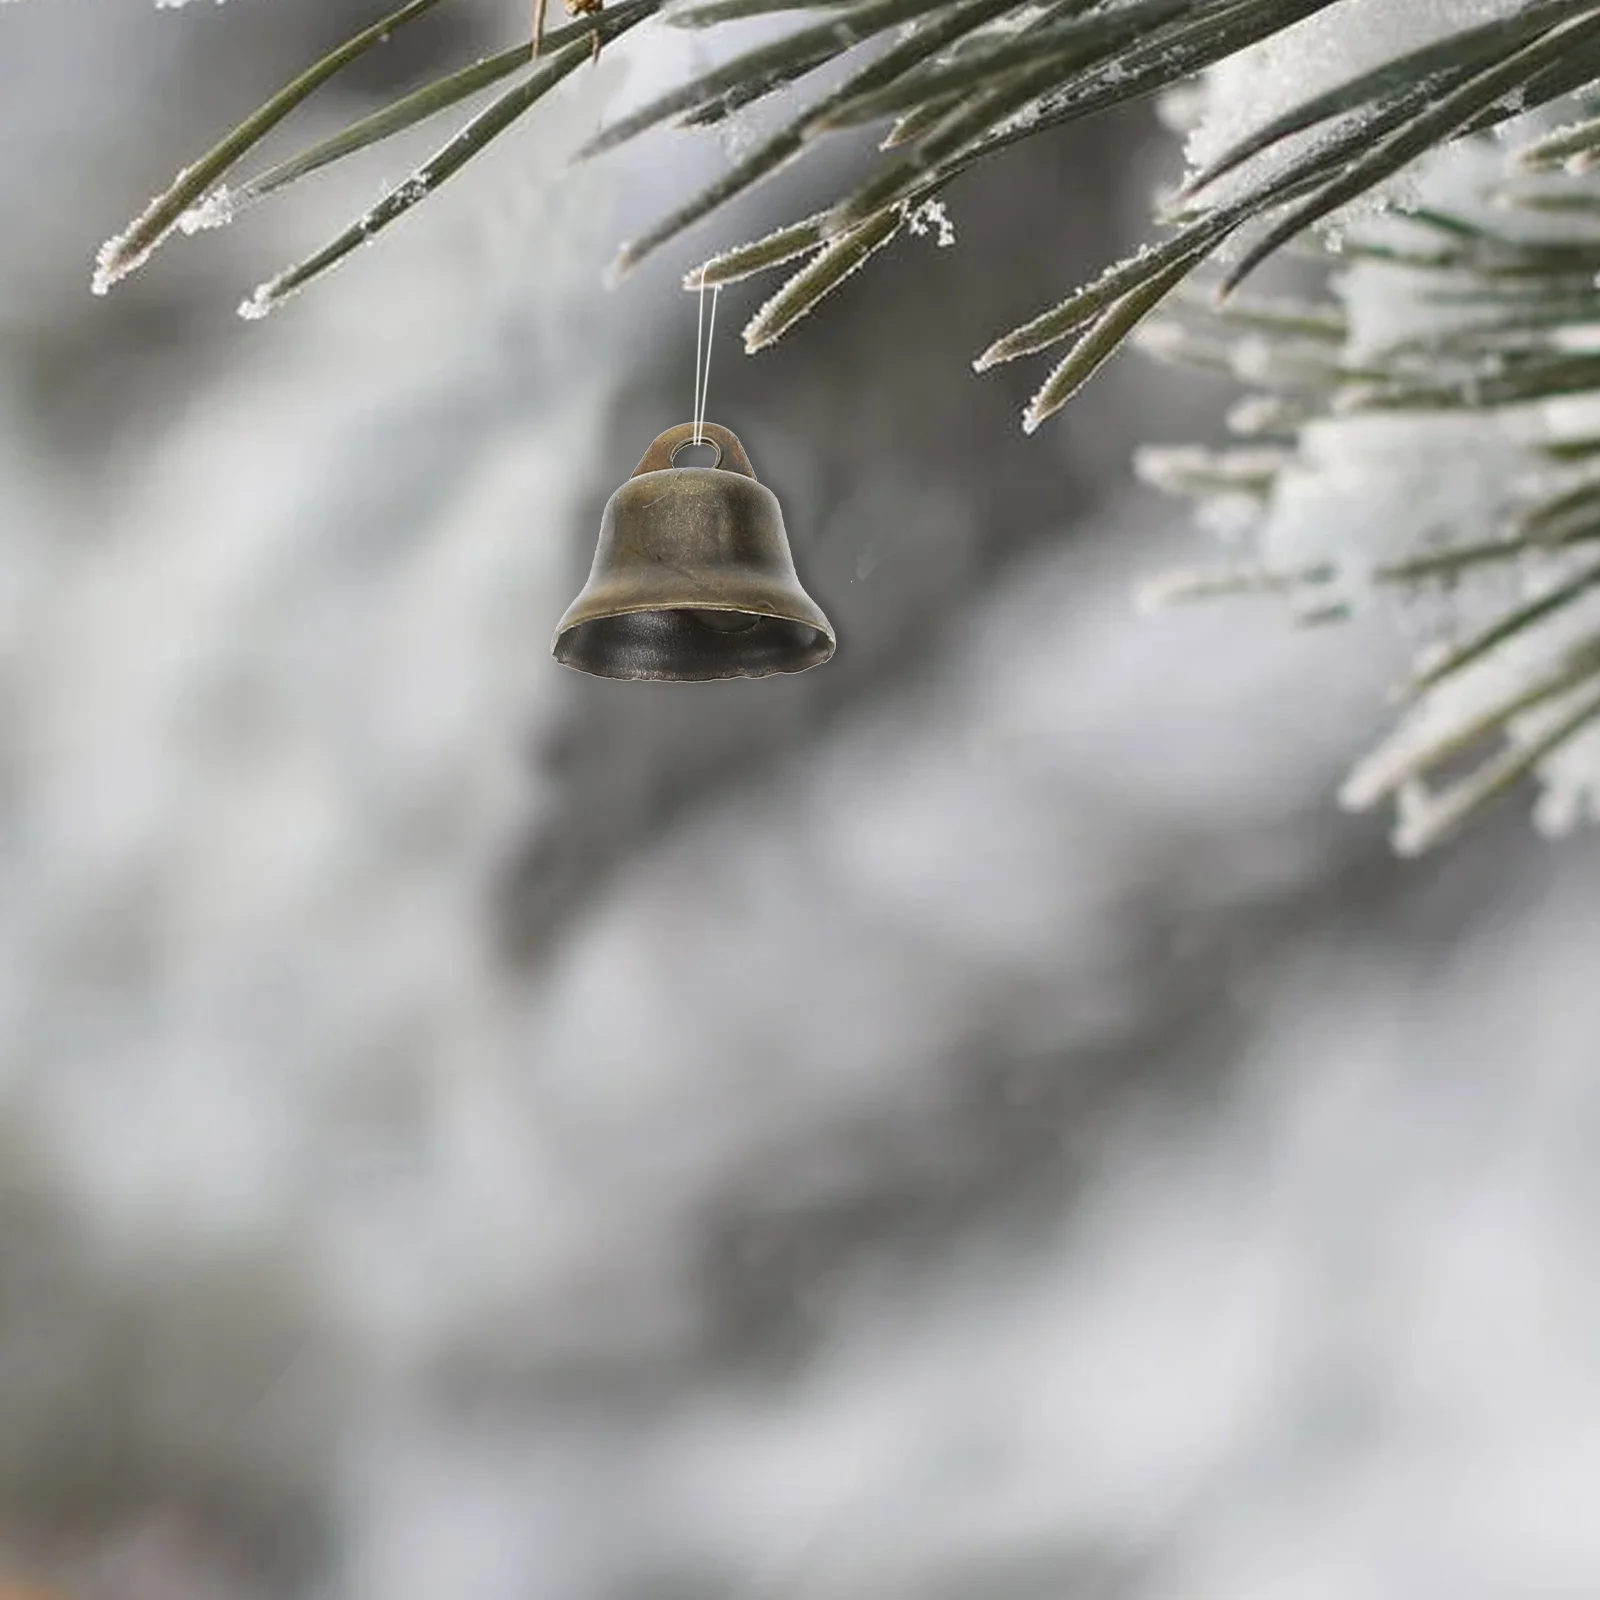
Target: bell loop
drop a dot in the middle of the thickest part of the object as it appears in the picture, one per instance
(699, 444)
(731, 455)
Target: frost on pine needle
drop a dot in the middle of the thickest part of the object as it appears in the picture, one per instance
(216, 210)
(126, 252)
(263, 300)
(931, 217)
(843, 255)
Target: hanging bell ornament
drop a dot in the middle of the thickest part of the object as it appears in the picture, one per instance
(692, 579)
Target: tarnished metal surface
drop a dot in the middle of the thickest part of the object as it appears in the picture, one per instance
(692, 578)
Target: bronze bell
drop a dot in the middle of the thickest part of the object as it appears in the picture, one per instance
(693, 578)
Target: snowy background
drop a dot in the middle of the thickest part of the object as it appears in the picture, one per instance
(971, 1121)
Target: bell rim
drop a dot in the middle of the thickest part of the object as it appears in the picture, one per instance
(576, 617)
(823, 648)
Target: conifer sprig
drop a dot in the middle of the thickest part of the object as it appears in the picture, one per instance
(956, 81)
(1506, 318)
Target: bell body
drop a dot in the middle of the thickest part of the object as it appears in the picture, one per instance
(692, 577)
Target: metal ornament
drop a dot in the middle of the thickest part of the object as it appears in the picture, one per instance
(693, 579)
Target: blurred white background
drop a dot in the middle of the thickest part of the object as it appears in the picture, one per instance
(973, 1121)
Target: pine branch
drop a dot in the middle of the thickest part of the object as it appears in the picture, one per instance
(971, 78)
(1497, 331)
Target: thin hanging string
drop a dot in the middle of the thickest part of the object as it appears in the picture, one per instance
(699, 337)
(711, 333)
(702, 388)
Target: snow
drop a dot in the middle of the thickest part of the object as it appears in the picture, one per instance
(1251, 88)
(931, 216)
(1368, 490)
